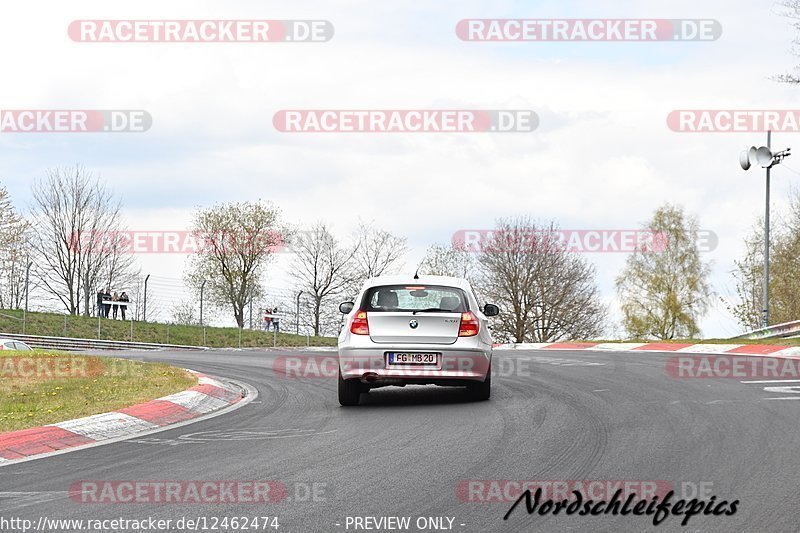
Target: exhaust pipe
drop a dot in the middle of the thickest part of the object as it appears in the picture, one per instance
(374, 380)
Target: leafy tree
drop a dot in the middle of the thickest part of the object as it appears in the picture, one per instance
(748, 278)
(784, 277)
(664, 290)
(238, 242)
(14, 253)
(784, 282)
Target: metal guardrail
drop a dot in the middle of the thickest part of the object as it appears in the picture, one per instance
(787, 329)
(69, 343)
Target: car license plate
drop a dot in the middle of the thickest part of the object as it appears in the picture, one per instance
(413, 358)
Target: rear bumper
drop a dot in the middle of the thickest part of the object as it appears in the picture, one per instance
(456, 364)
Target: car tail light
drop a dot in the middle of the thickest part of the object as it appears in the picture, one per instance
(360, 324)
(469, 325)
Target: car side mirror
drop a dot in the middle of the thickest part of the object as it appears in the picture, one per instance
(346, 307)
(491, 310)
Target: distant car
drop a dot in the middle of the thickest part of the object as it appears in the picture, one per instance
(403, 330)
(10, 344)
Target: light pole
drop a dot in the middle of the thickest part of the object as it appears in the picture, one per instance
(202, 290)
(763, 156)
(297, 316)
(144, 310)
(27, 283)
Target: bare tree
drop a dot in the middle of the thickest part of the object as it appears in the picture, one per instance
(239, 240)
(378, 252)
(14, 253)
(323, 269)
(184, 312)
(76, 237)
(546, 293)
(792, 11)
(450, 260)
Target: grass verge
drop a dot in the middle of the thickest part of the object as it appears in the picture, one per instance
(60, 325)
(44, 387)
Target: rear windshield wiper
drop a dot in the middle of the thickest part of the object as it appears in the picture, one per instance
(432, 310)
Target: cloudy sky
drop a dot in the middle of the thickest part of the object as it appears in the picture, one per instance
(602, 157)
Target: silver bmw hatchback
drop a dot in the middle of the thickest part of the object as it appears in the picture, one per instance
(404, 330)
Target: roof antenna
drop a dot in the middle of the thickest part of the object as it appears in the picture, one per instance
(416, 274)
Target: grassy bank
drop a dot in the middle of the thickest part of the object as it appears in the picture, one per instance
(60, 325)
(41, 387)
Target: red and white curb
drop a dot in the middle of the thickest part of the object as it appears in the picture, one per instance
(208, 398)
(770, 350)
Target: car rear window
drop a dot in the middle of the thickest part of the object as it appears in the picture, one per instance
(431, 298)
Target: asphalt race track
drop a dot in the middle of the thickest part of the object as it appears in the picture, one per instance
(566, 415)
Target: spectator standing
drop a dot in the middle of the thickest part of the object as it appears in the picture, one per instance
(267, 318)
(124, 298)
(106, 302)
(115, 307)
(99, 302)
(275, 320)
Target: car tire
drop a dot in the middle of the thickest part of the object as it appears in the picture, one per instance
(482, 391)
(349, 391)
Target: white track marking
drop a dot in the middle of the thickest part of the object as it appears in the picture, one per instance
(617, 346)
(784, 398)
(708, 348)
(790, 390)
(196, 401)
(106, 426)
(773, 381)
